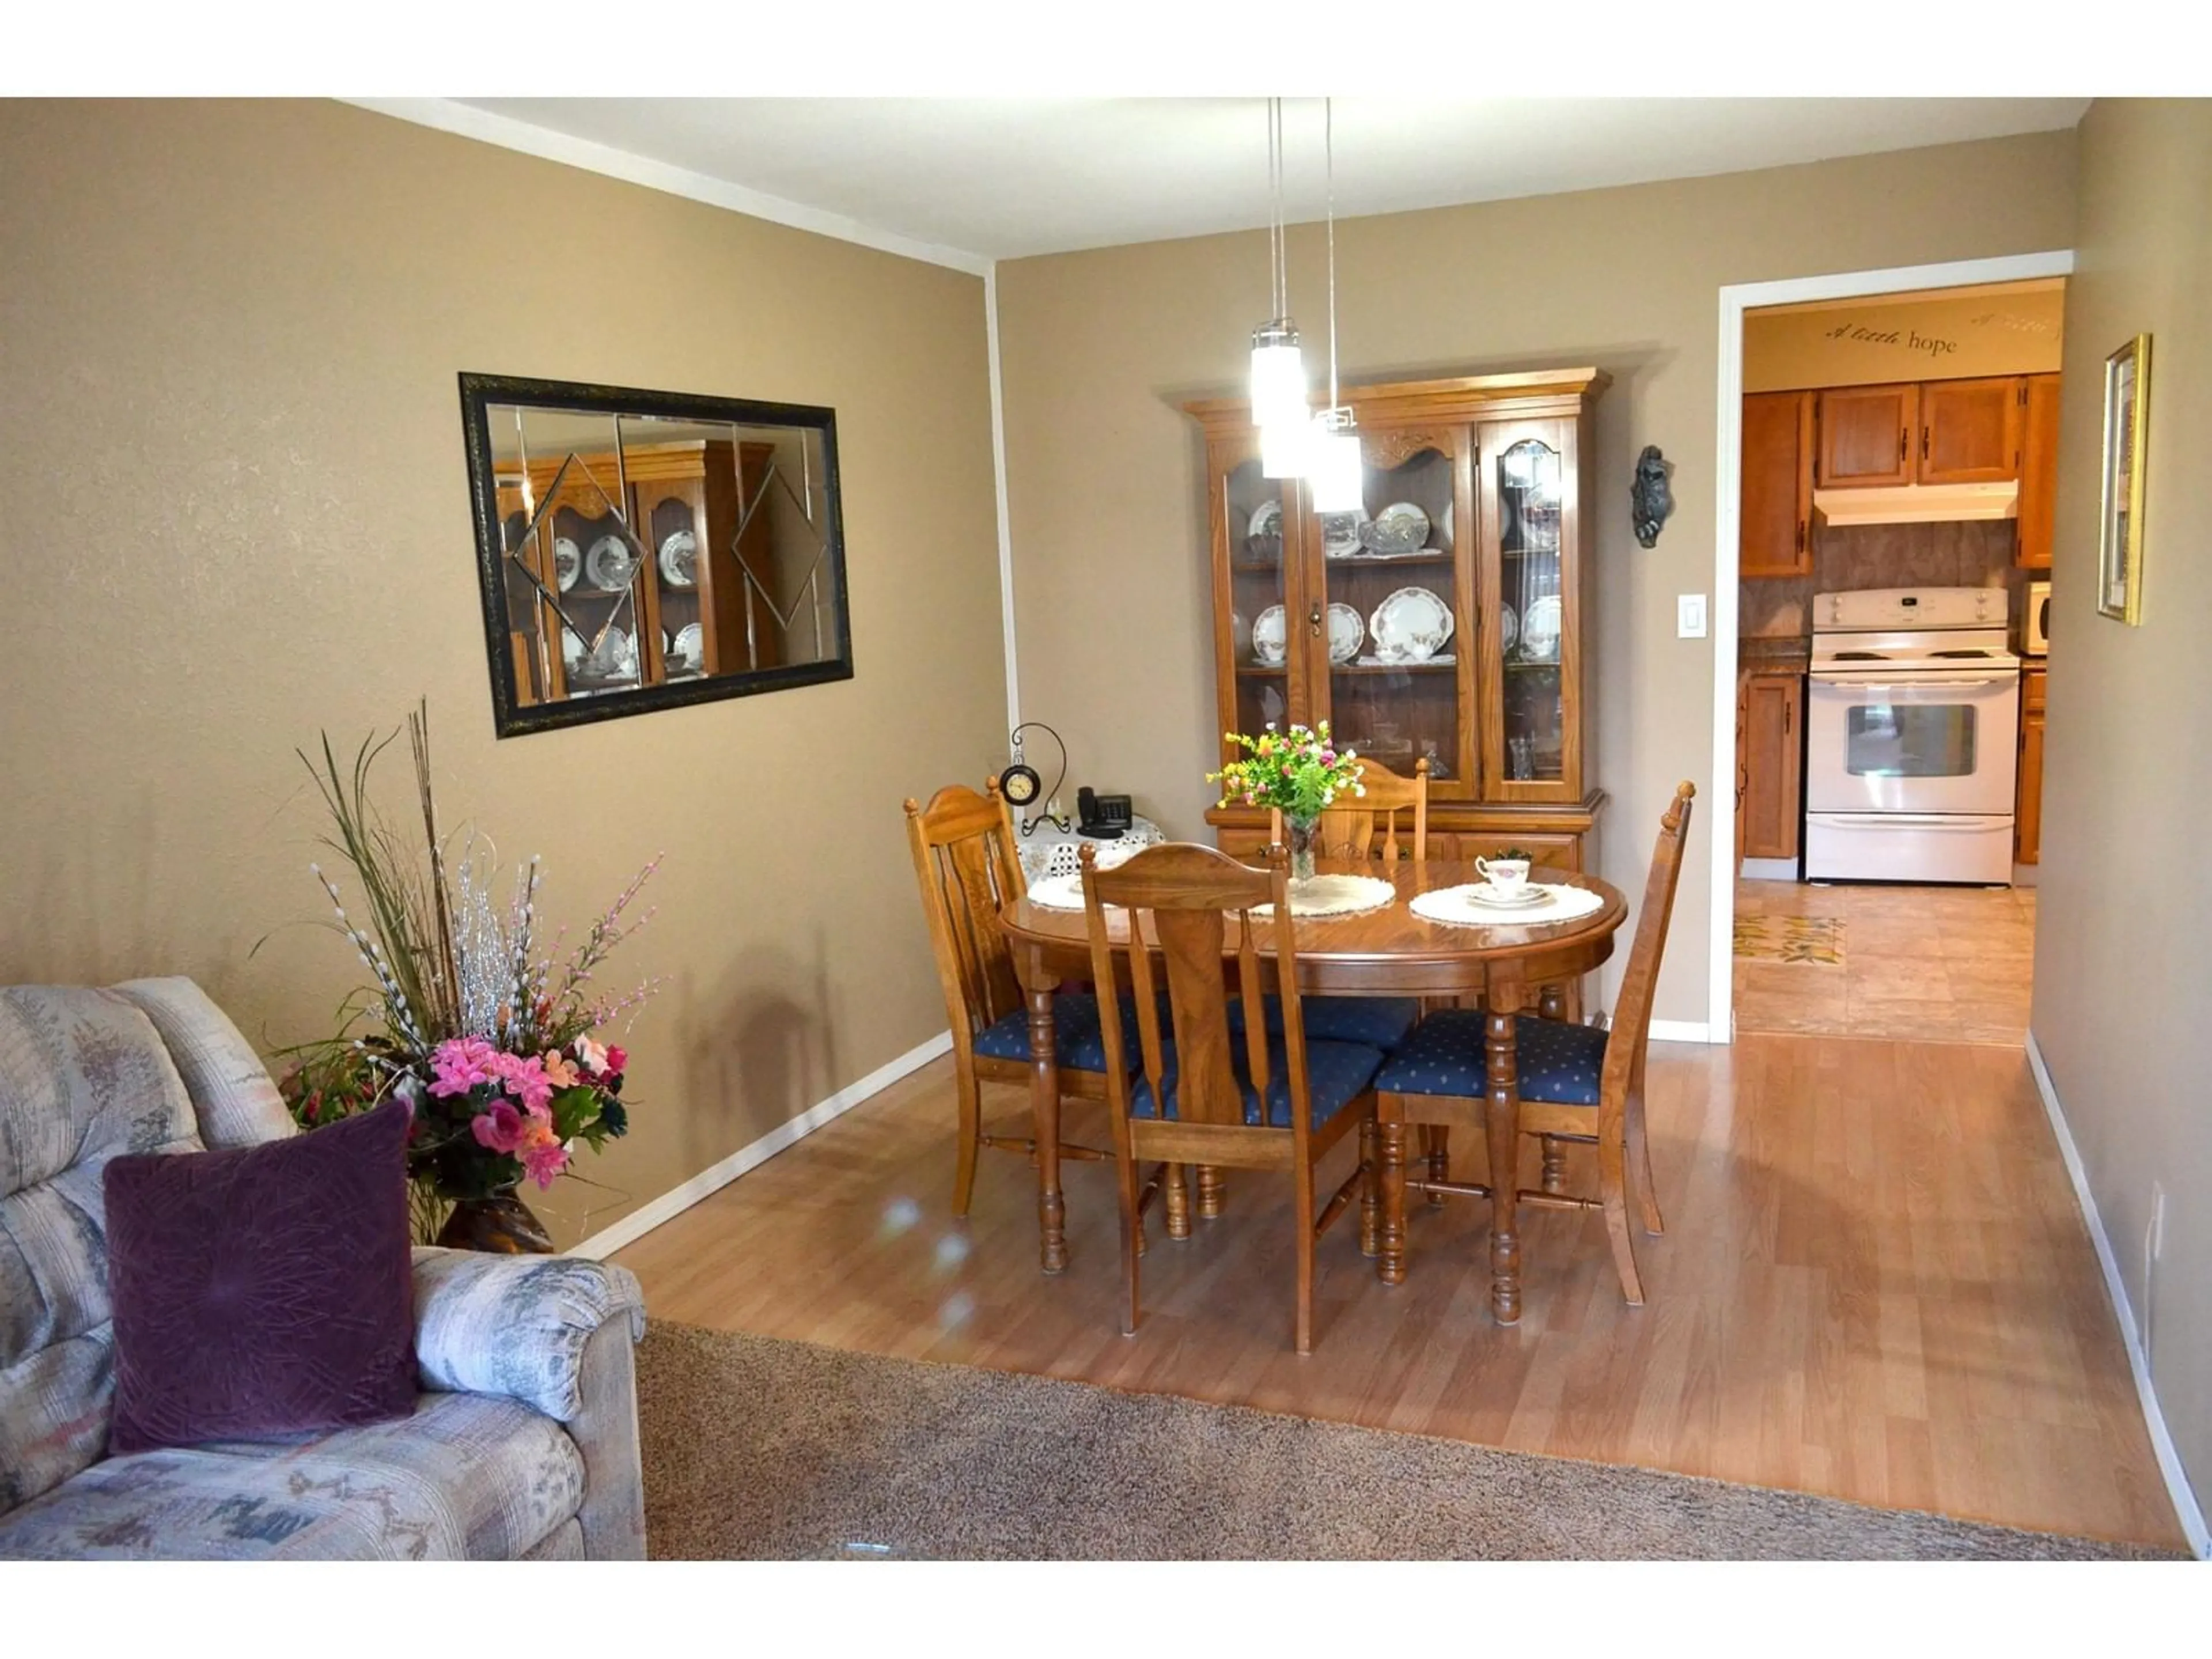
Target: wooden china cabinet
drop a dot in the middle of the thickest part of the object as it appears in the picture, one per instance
(1313, 620)
(692, 488)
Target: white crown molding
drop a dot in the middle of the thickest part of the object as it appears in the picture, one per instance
(671, 1204)
(448, 115)
(2185, 1506)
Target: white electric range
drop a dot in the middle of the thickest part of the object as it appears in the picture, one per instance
(1911, 732)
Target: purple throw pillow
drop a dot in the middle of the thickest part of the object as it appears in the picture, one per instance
(263, 1290)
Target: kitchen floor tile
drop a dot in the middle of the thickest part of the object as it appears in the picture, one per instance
(1927, 963)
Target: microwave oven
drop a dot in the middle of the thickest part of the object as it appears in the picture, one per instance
(2035, 621)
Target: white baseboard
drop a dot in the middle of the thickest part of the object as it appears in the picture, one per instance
(1682, 1030)
(1769, 870)
(2169, 1460)
(670, 1205)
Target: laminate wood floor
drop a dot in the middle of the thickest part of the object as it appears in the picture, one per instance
(1876, 1285)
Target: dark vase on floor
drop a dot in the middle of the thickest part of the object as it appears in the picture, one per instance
(502, 1225)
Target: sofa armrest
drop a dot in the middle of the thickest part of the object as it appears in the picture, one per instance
(517, 1325)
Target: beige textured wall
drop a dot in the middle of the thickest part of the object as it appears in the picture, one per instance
(2123, 991)
(1862, 343)
(1107, 477)
(236, 511)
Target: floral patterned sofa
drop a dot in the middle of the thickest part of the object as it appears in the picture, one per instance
(523, 1443)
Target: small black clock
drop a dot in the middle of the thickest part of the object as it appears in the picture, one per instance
(1020, 784)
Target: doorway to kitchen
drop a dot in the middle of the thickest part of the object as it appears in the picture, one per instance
(1886, 441)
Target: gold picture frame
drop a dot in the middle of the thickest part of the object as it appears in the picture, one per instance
(2120, 516)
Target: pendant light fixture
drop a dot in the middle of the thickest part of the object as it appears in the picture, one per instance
(1332, 446)
(1279, 407)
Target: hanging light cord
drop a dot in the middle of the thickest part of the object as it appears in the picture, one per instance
(1328, 164)
(1278, 260)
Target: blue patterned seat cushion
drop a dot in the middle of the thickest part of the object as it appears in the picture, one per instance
(468, 1477)
(1078, 1041)
(1337, 1073)
(1378, 1022)
(1445, 1055)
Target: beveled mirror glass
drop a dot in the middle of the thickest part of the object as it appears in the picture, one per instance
(645, 550)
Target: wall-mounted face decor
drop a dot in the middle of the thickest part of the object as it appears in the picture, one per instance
(646, 549)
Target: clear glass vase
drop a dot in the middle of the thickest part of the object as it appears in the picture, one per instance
(1303, 834)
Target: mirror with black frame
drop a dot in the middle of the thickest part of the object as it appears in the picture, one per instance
(646, 549)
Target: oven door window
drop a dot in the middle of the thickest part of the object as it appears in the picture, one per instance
(1909, 740)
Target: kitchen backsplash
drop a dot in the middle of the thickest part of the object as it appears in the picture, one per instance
(1963, 553)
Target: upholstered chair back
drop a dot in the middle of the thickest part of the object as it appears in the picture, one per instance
(150, 1066)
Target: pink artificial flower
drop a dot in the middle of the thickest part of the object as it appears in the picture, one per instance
(542, 1157)
(499, 1127)
(461, 1063)
(618, 1058)
(592, 1054)
(524, 1078)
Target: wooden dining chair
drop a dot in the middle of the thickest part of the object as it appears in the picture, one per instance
(964, 859)
(1348, 832)
(1578, 1083)
(1208, 1096)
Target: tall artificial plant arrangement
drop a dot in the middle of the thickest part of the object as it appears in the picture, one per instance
(489, 1038)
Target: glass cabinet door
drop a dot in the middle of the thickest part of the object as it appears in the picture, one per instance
(1388, 622)
(1533, 739)
(1255, 545)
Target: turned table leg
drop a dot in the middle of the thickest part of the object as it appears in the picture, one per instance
(1504, 1127)
(1390, 1258)
(1209, 1192)
(1175, 1191)
(1044, 1114)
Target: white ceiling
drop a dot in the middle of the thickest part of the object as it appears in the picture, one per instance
(1003, 177)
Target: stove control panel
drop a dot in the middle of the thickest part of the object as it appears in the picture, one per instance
(1893, 608)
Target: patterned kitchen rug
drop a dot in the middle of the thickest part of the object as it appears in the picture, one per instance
(1815, 939)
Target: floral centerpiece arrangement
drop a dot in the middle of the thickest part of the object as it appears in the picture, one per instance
(489, 1040)
(1300, 773)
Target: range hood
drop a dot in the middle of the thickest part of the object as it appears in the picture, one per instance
(1917, 503)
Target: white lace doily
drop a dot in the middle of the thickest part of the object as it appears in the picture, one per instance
(1326, 895)
(1058, 892)
(1452, 907)
(1335, 896)
(1052, 852)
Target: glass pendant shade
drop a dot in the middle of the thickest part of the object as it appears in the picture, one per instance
(1333, 464)
(1278, 376)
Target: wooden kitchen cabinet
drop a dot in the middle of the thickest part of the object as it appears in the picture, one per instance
(1940, 432)
(1970, 431)
(1777, 532)
(2039, 470)
(1771, 742)
(1867, 435)
(2027, 804)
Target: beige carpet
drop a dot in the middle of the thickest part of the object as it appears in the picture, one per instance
(755, 1447)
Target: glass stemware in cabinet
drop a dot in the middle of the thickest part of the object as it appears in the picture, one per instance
(1531, 618)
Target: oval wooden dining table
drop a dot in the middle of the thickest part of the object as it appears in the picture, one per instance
(1386, 951)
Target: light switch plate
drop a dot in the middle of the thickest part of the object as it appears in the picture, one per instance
(1690, 616)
